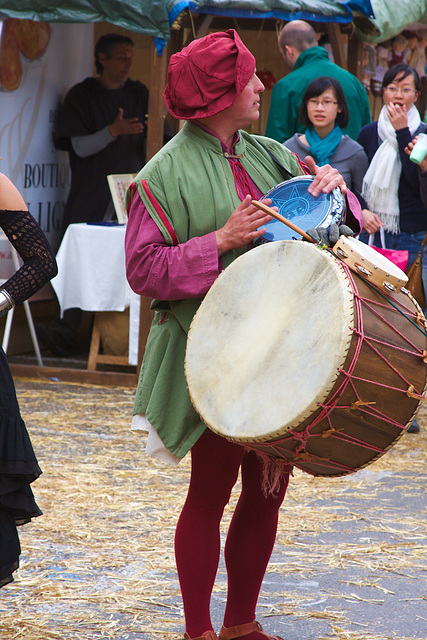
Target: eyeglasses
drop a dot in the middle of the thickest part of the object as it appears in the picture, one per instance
(405, 91)
(321, 103)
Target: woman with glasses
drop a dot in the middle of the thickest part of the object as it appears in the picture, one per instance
(391, 186)
(324, 113)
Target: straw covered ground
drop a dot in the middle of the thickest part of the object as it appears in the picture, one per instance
(349, 563)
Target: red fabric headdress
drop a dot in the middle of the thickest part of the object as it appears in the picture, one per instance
(207, 76)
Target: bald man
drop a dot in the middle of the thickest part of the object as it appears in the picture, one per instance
(307, 61)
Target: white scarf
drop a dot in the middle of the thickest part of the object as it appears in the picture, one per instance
(381, 181)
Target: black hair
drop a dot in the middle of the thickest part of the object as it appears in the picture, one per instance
(400, 69)
(106, 44)
(315, 89)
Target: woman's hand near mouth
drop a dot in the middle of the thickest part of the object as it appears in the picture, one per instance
(398, 115)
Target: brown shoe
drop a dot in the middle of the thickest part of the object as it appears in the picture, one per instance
(207, 635)
(242, 630)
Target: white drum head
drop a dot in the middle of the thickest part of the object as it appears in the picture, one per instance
(266, 344)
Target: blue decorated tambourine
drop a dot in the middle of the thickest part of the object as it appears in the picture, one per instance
(297, 205)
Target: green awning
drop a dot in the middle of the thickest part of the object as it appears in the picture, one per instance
(150, 17)
(391, 18)
(154, 17)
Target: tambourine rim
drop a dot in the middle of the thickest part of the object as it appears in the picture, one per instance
(327, 200)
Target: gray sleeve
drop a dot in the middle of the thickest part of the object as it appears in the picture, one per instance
(360, 164)
(85, 146)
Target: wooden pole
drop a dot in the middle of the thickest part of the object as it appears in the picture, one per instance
(335, 38)
(156, 105)
(156, 122)
(355, 56)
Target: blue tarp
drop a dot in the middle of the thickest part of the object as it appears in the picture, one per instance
(314, 10)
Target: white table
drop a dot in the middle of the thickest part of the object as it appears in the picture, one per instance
(91, 275)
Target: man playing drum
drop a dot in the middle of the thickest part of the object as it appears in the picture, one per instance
(190, 216)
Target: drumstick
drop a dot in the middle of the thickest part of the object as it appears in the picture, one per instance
(274, 214)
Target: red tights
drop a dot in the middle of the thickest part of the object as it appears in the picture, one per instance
(250, 539)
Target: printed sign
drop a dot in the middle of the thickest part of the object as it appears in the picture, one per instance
(39, 62)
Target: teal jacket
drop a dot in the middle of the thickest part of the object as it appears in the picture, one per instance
(287, 95)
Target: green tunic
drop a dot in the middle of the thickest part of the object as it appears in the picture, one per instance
(189, 190)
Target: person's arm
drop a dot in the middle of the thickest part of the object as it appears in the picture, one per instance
(409, 168)
(85, 146)
(422, 171)
(26, 236)
(359, 166)
(88, 145)
(156, 269)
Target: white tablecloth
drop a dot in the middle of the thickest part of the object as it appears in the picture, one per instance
(91, 275)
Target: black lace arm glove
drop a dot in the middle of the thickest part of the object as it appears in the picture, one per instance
(30, 242)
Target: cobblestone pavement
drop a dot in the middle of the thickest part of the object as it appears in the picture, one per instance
(349, 562)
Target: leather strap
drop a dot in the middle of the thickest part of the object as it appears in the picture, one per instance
(239, 630)
(208, 635)
(243, 630)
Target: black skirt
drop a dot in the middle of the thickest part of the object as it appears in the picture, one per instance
(18, 469)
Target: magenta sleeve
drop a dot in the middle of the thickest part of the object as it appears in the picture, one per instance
(157, 270)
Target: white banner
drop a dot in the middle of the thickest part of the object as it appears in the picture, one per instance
(28, 116)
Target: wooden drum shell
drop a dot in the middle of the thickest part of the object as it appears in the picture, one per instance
(372, 395)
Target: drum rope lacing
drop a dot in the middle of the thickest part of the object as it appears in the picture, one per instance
(386, 297)
(302, 437)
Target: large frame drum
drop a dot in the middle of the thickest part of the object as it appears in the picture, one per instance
(294, 355)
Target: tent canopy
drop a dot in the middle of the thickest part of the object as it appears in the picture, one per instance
(376, 20)
(314, 10)
(154, 17)
(391, 18)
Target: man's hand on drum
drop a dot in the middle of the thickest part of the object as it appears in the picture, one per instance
(325, 179)
(243, 226)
